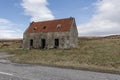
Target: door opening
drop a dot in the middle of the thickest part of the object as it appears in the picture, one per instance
(43, 43)
(56, 43)
(31, 43)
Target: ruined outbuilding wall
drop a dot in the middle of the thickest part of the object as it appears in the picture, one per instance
(74, 36)
(64, 41)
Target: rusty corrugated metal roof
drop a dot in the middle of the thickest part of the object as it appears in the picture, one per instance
(58, 25)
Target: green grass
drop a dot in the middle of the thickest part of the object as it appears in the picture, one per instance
(103, 54)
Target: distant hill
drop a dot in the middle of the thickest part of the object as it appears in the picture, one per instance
(97, 37)
(113, 36)
(11, 40)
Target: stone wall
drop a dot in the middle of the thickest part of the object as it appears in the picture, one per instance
(64, 41)
(73, 36)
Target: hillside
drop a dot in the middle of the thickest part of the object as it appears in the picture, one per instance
(10, 43)
(93, 53)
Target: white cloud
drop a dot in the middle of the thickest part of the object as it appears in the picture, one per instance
(105, 21)
(8, 30)
(37, 10)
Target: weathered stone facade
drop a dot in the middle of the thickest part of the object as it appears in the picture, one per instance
(47, 40)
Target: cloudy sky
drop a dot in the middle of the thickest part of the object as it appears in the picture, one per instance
(93, 17)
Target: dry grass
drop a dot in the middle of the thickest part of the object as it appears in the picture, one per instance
(100, 54)
(10, 44)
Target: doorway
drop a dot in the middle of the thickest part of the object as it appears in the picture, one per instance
(56, 43)
(43, 43)
(31, 43)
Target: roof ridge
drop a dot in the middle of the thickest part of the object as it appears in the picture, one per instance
(53, 20)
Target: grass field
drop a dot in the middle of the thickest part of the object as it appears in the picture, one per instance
(98, 53)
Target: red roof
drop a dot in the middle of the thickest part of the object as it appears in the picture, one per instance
(59, 25)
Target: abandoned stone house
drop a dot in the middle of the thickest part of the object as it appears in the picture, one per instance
(60, 33)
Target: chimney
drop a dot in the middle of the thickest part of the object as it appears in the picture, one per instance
(71, 17)
(31, 22)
